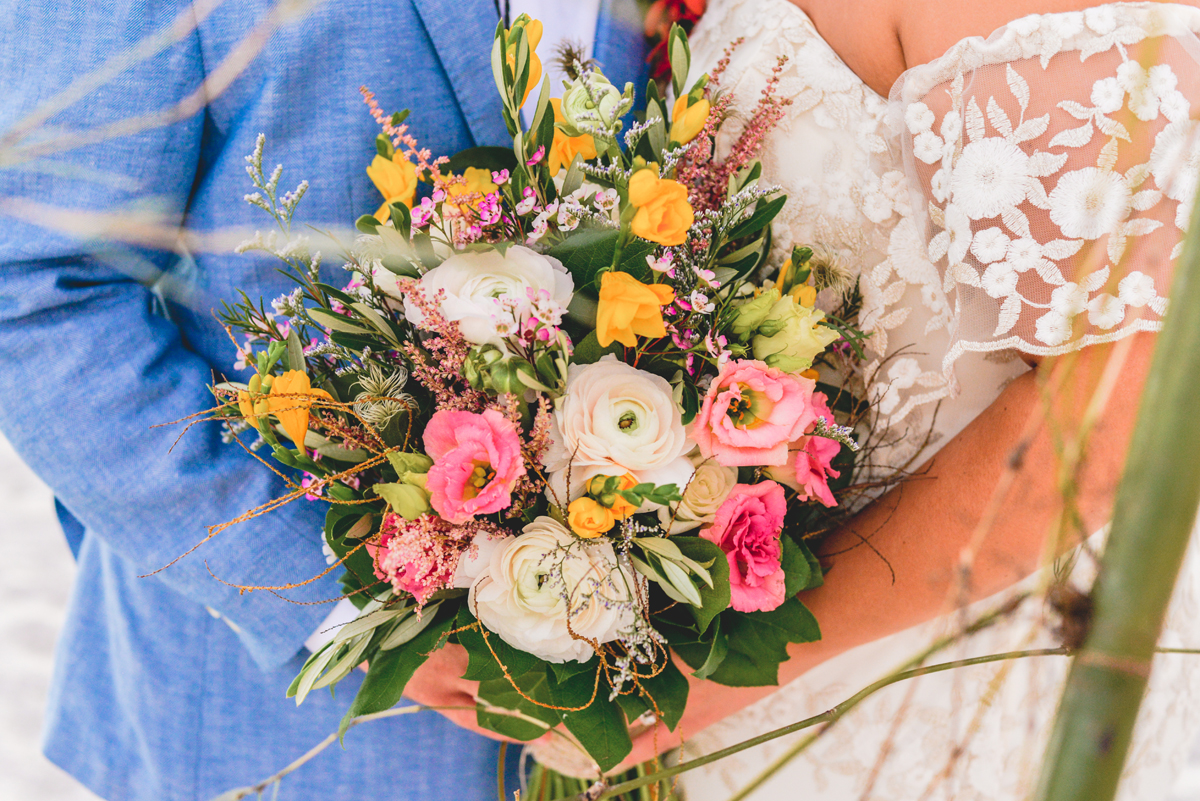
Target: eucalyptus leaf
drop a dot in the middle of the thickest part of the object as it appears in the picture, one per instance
(390, 671)
(409, 628)
(337, 322)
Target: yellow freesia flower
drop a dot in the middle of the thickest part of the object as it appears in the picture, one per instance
(564, 148)
(533, 32)
(476, 181)
(396, 180)
(588, 518)
(291, 397)
(629, 309)
(688, 121)
(663, 212)
(252, 404)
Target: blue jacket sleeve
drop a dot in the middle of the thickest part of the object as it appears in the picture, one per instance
(88, 368)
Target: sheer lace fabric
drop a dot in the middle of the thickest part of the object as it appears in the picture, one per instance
(1045, 160)
(992, 205)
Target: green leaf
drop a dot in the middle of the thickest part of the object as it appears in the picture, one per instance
(489, 158)
(588, 351)
(797, 571)
(295, 351)
(669, 689)
(482, 664)
(714, 599)
(691, 402)
(534, 684)
(409, 462)
(762, 216)
(367, 224)
(390, 671)
(573, 667)
(585, 254)
(701, 653)
(599, 726)
(588, 253)
(338, 323)
(758, 643)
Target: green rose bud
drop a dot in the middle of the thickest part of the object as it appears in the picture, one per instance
(750, 315)
(796, 338)
(584, 109)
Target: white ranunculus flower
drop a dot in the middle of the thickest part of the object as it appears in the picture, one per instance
(537, 580)
(476, 284)
(476, 560)
(615, 419)
(705, 493)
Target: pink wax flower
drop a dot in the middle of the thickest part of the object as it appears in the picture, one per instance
(747, 528)
(750, 414)
(418, 557)
(476, 462)
(810, 469)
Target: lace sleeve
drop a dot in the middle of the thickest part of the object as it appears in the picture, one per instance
(1055, 164)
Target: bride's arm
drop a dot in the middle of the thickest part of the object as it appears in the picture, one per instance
(923, 526)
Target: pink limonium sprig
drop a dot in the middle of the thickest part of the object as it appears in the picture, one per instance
(441, 372)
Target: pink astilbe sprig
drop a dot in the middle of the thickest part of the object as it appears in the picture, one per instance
(706, 178)
(420, 557)
(437, 363)
(403, 141)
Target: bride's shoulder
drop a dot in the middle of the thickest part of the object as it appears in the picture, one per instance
(880, 39)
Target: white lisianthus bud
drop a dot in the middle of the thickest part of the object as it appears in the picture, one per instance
(537, 581)
(705, 493)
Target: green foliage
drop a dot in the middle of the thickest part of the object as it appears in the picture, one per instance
(599, 725)
(484, 662)
(587, 254)
(758, 643)
(492, 159)
(716, 597)
(389, 671)
(501, 693)
(589, 351)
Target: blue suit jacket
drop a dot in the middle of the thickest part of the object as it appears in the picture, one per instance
(172, 687)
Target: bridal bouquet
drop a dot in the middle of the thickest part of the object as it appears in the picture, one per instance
(561, 416)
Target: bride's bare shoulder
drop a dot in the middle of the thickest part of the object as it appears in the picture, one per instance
(879, 39)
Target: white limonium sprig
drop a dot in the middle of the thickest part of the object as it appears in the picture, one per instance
(838, 433)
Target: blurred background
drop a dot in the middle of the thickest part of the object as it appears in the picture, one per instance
(36, 571)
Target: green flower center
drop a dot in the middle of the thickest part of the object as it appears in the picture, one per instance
(481, 476)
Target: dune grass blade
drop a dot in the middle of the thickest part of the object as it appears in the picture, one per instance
(1152, 523)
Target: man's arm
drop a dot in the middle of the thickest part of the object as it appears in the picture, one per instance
(87, 366)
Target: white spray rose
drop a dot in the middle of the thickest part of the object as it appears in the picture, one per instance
(615, 419)
(708, 489)
(476, 286)
(523, 594)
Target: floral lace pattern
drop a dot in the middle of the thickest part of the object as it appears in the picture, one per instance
(1043, 156)
(986, 209)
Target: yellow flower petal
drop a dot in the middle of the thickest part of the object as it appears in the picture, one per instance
(290, 400)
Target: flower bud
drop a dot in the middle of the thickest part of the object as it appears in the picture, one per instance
(590, 101)
(793, 337)
(588, 518)
(750, 315)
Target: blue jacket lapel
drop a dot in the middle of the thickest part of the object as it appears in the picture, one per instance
(462, 33)
(621, 46)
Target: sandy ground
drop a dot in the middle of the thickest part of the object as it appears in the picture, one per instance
(35, 574)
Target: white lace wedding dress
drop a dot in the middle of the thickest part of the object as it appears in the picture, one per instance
(986, 207)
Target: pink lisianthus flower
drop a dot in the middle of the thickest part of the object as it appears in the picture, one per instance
(750, 414)
(810, 469)
(747, 528)
(476, 461)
